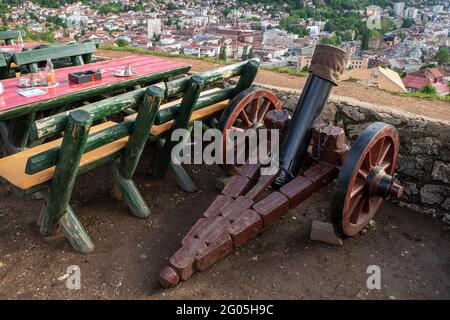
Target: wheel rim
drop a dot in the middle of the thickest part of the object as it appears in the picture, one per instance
(246, 111)
(361, 185)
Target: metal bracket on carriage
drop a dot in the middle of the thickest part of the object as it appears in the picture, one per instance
(248, 204)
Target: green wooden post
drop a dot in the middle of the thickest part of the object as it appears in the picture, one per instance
(133, 150)
(183, 179)
(77, 60)
(187, 104)
(248, 76)
(72, 148)
(19, 131)
(75, 232)
(144, 121)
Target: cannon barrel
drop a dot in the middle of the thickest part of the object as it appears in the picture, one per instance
(327, 64)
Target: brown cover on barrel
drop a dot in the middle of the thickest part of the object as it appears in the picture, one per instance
(329, 62)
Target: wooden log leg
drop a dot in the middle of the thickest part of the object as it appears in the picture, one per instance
(75, 232)
(190, 98)
(184, 181)
(18, 133)
(124, 168)
(127, 190)
(72, 148)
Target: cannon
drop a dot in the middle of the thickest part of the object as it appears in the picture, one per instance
(311, 157)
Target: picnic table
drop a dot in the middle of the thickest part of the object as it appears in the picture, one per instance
(21, 110)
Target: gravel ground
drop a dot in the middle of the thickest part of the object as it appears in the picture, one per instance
(412, 250)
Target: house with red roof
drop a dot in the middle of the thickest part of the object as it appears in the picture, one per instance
(436, 77)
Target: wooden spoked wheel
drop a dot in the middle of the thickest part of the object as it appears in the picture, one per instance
(366, 178)
(245, 111)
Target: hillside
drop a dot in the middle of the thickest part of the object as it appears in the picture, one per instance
(431, 108)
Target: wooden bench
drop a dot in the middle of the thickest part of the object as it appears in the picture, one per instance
(79, 54)
(10, 35)
(196, 104)
(50, 169)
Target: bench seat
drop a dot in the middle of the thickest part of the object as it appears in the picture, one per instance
(157, 130)
(12, 168)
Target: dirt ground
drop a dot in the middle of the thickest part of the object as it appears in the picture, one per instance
(412, 249)
(423, 107)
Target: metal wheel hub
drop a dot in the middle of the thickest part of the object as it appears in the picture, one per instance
(381, 184)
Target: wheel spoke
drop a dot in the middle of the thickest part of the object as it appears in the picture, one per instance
(383, 152)
(367, 163)
(362, 173)
(263, 110)
(356, 209)
(254, 110)
(357, 188)
(243, 115)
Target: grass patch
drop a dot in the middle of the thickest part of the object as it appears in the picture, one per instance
(293, 72)
(427, 96)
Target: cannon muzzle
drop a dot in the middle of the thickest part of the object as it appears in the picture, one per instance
(327, 64)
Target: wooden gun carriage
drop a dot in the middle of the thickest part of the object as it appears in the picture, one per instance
(311, 157)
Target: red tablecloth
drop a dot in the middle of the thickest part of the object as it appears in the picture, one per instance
(142, 65)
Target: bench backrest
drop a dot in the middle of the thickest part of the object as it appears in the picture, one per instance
(246, 71)
(2, 61)
(77, 52)
(10, 35)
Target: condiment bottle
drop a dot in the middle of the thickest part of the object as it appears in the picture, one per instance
(51, 75)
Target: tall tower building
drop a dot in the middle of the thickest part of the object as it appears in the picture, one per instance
(153, 28)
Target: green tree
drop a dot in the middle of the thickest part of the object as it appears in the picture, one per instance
(223, 53)
(122, 43)
(429, 89)
(402, 36)
(443, 55)
(407, 22)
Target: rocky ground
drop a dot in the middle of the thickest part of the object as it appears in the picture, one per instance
(430, 108)
(412, 250)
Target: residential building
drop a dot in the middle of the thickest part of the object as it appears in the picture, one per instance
(383, 78)
(399, 8)
(153, 28)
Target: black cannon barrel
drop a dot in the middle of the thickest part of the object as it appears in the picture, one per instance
(327, 64)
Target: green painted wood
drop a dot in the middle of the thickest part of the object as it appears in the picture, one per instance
(176, 87)
(144, 80)
(3, 61)
(49, 158)
(47, 127)
(248, 76)
(196, 83)
(75, 136)
(11, 35)
(168, 114)
(130, 193)
(75, 232)
(144, 121)
(54, 52)
(77, 60)
(27, 193)
(183, 179)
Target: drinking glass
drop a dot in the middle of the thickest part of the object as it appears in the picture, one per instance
(43, 77)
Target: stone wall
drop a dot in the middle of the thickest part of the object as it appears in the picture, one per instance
(424, 159)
